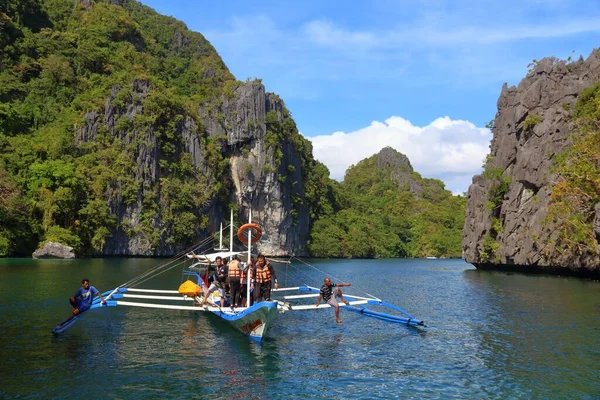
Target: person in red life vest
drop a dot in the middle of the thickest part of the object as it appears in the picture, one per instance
(265, 275)
(326, 294)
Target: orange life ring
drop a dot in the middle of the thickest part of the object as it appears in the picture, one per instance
(255, 237)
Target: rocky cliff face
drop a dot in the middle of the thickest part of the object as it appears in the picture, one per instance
(506, 224)
(236, 127)
(139, 140)
(399, 168)
(256, 173)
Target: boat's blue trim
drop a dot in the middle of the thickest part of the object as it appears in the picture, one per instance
(58, 329)
(253, 321)
(115, 295)
(239, 315)
(386, 317)
(394, 307)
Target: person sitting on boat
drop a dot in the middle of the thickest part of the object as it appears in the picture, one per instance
(326, 294)
(216, 276)
(234, 274)
(84, 297)
(265, 274)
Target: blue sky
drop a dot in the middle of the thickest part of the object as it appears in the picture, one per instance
(422, 77)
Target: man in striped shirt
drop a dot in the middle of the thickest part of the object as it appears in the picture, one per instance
(327, 295)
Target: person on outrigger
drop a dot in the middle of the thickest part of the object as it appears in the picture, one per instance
(83, 298)
(326, 294)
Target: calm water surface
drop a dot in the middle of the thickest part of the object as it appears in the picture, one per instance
(491, 335)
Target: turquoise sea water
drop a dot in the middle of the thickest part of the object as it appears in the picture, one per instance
(491, 335)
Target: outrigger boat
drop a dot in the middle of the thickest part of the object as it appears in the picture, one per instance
(252, 321)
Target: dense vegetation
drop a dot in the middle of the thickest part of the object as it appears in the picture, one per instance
(61, 60)
(577, 192)
(370, 215)
(317, 188)
(495, 196)
(89, 89)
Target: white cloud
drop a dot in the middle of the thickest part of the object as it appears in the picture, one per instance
(303, 56)
(326, 33)
(450, 150)
(437, 34)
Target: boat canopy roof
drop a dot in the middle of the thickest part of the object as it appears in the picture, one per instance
(212, 257)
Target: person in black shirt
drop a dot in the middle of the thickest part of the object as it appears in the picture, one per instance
(217, 275)
(327, 295)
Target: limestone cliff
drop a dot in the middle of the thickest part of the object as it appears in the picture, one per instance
(399, 168)
(256, 172)
(236, 123)
(122, 132)
(506, 225)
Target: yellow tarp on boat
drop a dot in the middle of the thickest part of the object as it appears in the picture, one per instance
(189, 288)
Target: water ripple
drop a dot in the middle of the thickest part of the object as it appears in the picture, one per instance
(491, 335)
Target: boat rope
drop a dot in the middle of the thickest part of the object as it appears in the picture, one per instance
(159, 273)
(356, 287)
(169, 264)
(312, 278)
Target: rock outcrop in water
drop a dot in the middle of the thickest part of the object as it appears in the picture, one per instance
(506, 224)
(54, 250)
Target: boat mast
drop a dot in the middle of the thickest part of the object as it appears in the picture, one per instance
(221, 236)
(220, 248)
(231, 231)
(249, 258)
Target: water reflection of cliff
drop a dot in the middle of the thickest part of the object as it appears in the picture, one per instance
(536, 328)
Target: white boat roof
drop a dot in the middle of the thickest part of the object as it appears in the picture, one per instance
(212, 257)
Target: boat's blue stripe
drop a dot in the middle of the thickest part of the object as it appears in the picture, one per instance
(115, 295)
(386, 317)
(109, 303)
(67, 325)
(257, 339)
(394, 307)
(238, 315)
